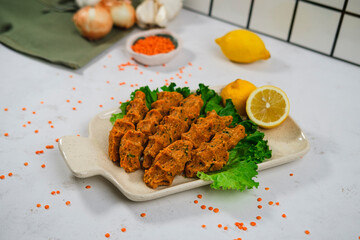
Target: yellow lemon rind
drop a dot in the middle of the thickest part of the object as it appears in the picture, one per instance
(259, 122)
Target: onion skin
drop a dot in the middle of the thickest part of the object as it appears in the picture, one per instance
(123, 14)
(93, 22)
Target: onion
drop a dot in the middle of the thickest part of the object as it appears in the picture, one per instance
(93, 22)
(122, 13)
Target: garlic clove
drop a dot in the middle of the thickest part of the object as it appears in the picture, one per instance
(172, 7)
(145, 13)
(161, 17)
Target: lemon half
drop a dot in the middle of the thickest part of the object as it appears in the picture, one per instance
(268, 106)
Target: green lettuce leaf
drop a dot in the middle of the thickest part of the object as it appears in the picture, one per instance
(185, 91)
(237, 176)
(121, 114)
(230, 110)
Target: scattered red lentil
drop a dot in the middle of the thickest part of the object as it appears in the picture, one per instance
(70, 76)
(203, 226)
(38, 205)
(258, 217)
(49, 146)
(219, 226)
(259, 199)
(26, 163)
(283, 215)
(80, 101)
(291, 174)
(216, 210)
(131, 85)
(196, 201)
(2, 177)
(143, 214)
(47, 206)
(104, 66)
(271, 203)
(67, 100)
(24, 109)
(29, 122)
(244, 228)
(211, 208)
(308, 232)
(53, 192)
(107, 235)
(24, 125)
(112, 98)
(199, 196)
(225, 228)
(123, 229)
(10, 174)
(203, 207)
(5, 109)
(56, 140)
(253, 224)
(164, 65)
(267, 188)
(101, 105)
(74, 108)
(42, 102)
(88, 187)
(6, 134)
(186, 82)
(57, 192)
(43, 165)
(190, 64)
(49, 122)
(122, 83)
(67, 203)
(141, 73)
(200, 68)
(73, 88)
(36, 131)
(277, 203)
(259, 207)
(33, 112)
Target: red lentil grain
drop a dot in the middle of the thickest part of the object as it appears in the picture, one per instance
(6, 134)
(53, 193)
(219, 226)
(101, 105)
(24, 109)
(271, 203)
(253, 224)
(87, 186)
(43, 165)
(283, 215)
(57, 192)
(308, 232)
(33, 112)
(267, 188)
(277, 203)
(29, 122)
(203, 207)
(143, 214)
(216, 210)
(258, 217)
(196, 201)
(47, 206)
(38, 205)
(291, 174)
(24, 125)
(199, 196)
(49, 122)
(225, 228)
(112, 98)
(10, 174)
(74, 108)
(259, 199)
(26, 163)
(56, 140)
(123, 229)
(259, 207)
(211, 208)
(5, 109)
(67, 100)
(67, 203)
(2, 177)
(36, 131)
(107, 235)
(203, 226)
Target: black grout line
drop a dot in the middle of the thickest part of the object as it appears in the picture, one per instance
(250, 13)
(352, 14)
(292, 20)
(338, 28)
(211, 7)
(322, 5)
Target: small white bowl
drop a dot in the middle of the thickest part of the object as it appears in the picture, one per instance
(157, 59)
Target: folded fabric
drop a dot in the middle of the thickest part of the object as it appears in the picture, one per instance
(44, 29)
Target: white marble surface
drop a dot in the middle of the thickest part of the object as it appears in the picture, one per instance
(322, 196)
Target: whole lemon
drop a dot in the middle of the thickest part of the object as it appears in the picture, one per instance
(238, 91)
(243, 46)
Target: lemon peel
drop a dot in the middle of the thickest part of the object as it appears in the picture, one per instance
(243, 46)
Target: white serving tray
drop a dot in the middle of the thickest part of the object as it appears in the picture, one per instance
(88, 157)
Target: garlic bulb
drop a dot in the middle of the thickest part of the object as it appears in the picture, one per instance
(93, 22)
(123, 14)
(152, 13)
(84, 3)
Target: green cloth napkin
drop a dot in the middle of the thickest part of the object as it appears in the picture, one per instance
(44, 29)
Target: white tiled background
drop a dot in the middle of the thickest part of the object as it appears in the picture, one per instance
(323, 26)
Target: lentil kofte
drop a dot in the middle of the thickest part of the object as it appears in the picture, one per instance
(171, 138)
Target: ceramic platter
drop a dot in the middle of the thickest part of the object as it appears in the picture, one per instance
(88, 157)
